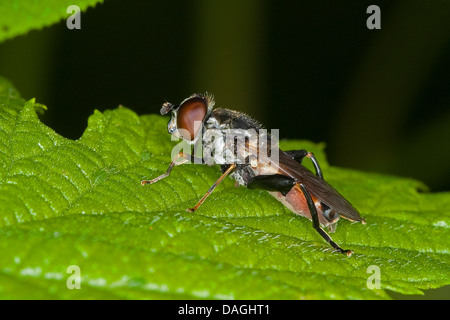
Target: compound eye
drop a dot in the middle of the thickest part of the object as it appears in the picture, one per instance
(190, 117)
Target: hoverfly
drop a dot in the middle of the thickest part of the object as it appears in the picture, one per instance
(303, 192)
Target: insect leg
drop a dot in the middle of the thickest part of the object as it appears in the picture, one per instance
(298, 156)
(316, 225)
(273, 182)
(210, 190)
(186, 157)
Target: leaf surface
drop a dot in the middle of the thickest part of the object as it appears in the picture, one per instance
(65, 202)
(21, 16)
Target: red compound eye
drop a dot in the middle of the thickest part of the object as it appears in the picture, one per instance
(190, 115)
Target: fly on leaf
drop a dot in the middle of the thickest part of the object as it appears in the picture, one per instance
(244, 149)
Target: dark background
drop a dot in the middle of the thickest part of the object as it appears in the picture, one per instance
(379, 98)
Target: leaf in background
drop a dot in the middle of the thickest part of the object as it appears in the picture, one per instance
(65, 202)
(21, 16)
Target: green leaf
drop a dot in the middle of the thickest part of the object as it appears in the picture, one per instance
(65, 202)
(21, 16)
